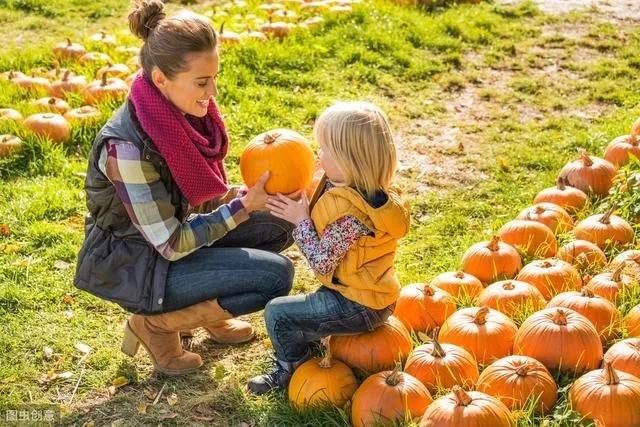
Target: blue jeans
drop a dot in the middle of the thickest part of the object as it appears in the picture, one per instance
(295, 321)
(242, 270)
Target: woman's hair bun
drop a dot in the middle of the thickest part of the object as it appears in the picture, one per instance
(145, 17)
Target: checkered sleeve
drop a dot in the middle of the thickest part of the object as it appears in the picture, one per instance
(148, 203)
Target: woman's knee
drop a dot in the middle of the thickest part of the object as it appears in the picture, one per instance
(285, 274)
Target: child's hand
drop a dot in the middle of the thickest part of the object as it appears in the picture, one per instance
(290, 210)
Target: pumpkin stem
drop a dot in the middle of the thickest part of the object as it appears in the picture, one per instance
(393, 379)
(610, 374)
(66, 75)
(523, 370)
(428, 290)
(508, 286)
(52, 100)
(69, 41)
(587, 292)
(617, 273)
(586, 159)
(481, 316)
(561, 184)
(270, 138)
(586, 278)
(222, 27)
(540, 209)
(438, 351)
(460, 274)
(546, 264)
(493, 244)
(606, 218)
(560, 317)
(325, 363)
(462, 396)
(104, 82)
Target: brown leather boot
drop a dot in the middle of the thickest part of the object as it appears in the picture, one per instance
(159, 335)
(231, 331)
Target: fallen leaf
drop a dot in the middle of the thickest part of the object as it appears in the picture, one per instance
(172, 399)
(167, 416)
(150, 393)
(117, 423)
(65, 375)
(48, 353)
(68, 299)
(89, 423)
(220, 372)
(142, 408)
(10, 248)
(61, 265)
(24, 262)
(83, 348)
(112, 390)
(5, 230)
(120, 382)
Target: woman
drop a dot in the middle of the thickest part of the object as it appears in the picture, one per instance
(166, 238)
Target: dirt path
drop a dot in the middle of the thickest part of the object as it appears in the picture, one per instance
(618, 9)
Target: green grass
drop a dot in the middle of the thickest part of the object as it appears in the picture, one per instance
(412, 63)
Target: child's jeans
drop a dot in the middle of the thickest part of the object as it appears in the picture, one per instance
(295, 321)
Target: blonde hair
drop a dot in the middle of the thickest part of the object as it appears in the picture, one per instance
(358, 136)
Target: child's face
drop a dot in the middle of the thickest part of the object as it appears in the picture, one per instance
(330, 167)
(192, 89)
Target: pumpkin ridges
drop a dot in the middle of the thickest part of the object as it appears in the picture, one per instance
(458, 284)
(508, 296)
(422, 309)
(632, 322)
(534, 238)
(550, 277)
(590, 174)
(625, 356)
(604, 229)
(489, 261)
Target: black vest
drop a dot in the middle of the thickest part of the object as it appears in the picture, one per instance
(115, 262)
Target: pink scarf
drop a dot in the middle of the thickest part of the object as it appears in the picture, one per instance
(193, 147)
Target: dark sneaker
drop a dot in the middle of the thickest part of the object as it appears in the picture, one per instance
(276, 379)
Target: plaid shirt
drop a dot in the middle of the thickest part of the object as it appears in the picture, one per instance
(148, 203)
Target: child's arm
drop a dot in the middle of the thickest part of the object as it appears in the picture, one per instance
(324, 253)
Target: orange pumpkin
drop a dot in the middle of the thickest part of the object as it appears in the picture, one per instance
(510, 297)
(51, 104)
(625, 356)
(387, 397)
(68, 83)
(423, 307)
(68, 50)
(103, 37)
(553, 216)
(631, 259)
(95, 58)
(442, 365)
(10, 114)
(320, 382)
(590, 174)
(563, 195)
(276, 29)
(106, 89)
(250, 34)
(593, 257)
(608, 396)
(84, 114)
(9, 144)
(469, 409)
(374, 351)
(485, 333)
(601, 312)
(632, 322)
(32, 83)
(114, 70)
(561, 339)
(228, 37)
(535, 239)
(604, 230)
(285, 154)
(550, 276)
(459, 284)
(609, 285)
(491, 261)
(49, 125)
(515, 380)
(618, 150)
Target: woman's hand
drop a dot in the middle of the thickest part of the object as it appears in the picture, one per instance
(256, 197)
(288, 209)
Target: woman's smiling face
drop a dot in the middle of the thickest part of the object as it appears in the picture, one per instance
(191, 90)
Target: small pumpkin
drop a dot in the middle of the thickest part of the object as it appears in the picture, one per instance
(632, 322)
(604, 230)
(609, 284)
(601, 312)
(510, 297)
(561, 339)
(95, 58)
(387, 397)
(51, 104)
(283, 152)
(553, 216)
(563, 195)
(228, 37)
(103, 37)
(250, 34)
(11, 75)
(470, 409)
(631, 260)
(619, 150)
(49, 125)
(68, 50)
(114, 70)
(550, 276)
(484, 332)
(10, 114)
(590, 174)
(9, 144)
(491, 261)
(84, 114)
(322, 381)
(104, 90)
(32, 83)
(276, 29)
(608, 396)
(625, 356)
(374, 351)
(535, 239)
(516, 380)
(423, 307)
(593, 257)
(68, 83)
(458, 283)
(442, 365)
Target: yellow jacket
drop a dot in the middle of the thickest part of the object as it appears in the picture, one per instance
(365, 274)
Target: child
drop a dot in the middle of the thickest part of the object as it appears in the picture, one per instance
(349, 240)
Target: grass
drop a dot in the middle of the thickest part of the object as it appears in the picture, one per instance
(415, 64)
